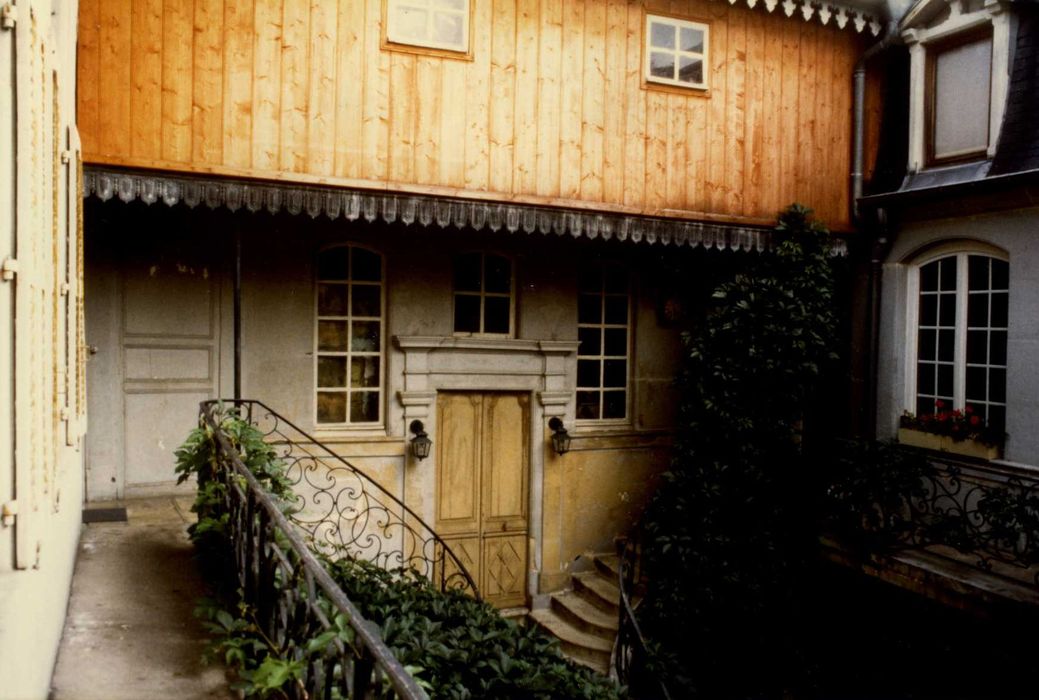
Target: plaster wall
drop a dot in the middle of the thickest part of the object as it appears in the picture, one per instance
(1015, 233)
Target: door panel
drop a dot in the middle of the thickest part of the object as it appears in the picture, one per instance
(483, 459)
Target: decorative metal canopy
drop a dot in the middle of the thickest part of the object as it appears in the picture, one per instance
(409, 210)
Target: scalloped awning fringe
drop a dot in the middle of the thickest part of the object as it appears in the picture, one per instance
(425, 211)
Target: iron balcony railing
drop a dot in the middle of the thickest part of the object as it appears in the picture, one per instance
(338, 511)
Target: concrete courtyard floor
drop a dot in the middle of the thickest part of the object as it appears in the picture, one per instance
(129, 633)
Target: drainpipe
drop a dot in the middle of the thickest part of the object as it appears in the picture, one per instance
(237, 312)
(880, 242)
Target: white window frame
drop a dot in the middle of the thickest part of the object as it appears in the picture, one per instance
(922, 38)
(483, 294)
(648, 50)
(628, 357)
(395, 36)
(380, 389)
(961, 251)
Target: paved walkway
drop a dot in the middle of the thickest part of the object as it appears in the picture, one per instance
(130, 633)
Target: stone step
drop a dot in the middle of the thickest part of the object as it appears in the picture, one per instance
(594, 588)
(608, 565)
(584, 616)
(580, 647)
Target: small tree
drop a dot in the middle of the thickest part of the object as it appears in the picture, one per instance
(728, 529)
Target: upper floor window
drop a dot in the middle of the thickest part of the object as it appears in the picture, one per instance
(676, 52)
(435, 24)
(349, 338)
(483, 294)
(604, 353)
(959, 98)
(961, 336)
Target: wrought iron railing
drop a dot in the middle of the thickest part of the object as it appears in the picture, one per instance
(343, 511)
(294, 597)
(630, 653)
(992, 522)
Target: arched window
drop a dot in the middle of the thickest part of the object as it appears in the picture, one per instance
(958, 333)
(349, 336)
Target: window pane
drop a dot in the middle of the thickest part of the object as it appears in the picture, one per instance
(331, 407)
(588, 405)
(977, 310)
(998, 348)
(929, 277)
(467, 314)
(447, 28)
(662, 35)
(616, 341)
(331, 299)
(976, 384)
(1000, 307)
(588, 373)
(929, 310)
(411, 22)
(617, 310)
(589, 309)
(614, 404)
(948, 274)
(927, 345)
(690, 39)
(452, 4)
(467, 273)
(615, 373)
(331, 335)
(997, 418)
(364, 406)
(690, 70)
(945, 381)
(367, 266)
(977, 272)
(925, 378)
(961, 98)
(364, 372)
(496, 315)
(365, 336)
(947, 310)
(977, 347)
(498, 275)
(662, 65)
(997, 385)
(590, 341)
(366, 300)
(332, 264)
(590, 280)
(331, 371)
(946, 345)
(924, 406)
(1000, 274)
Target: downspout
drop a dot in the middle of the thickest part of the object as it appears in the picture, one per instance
(880, 243)
(237, 312)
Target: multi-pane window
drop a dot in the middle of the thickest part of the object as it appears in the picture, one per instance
(961, 344)
(959, 98)
(437, 24)
(349, 338)
(676, 52)
(483, 294)
(604, 331)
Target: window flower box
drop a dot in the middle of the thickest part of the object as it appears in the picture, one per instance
(943, 443)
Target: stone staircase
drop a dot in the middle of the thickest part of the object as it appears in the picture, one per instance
(584, 618)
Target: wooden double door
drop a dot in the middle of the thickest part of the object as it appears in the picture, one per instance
(483, 486)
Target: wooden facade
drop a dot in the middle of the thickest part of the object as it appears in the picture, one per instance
(548, 107)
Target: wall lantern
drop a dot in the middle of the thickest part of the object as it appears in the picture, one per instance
(421, 443)
(560, 438)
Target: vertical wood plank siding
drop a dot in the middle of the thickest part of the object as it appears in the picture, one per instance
(548, 106)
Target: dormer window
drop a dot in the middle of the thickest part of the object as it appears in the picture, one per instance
(959, 72)
(959, 98)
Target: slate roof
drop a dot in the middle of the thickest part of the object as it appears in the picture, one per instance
(1018, 147)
